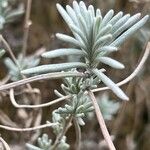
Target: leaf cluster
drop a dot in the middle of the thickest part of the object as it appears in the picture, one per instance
(7, 13)
(22, 63)
(94, 37)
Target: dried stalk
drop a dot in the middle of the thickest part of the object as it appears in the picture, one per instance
(101, 122)
(28, 129)
(6, 146)
(78, 134)
(26, 27)
(12, 98)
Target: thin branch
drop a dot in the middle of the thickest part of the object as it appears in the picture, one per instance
(101, 122)
(55, 75)
(60, 136)
(27, 129)
(12, 98)
(9, 50)
(78, 134)
(26, 26)
(6, 146)
(134, 73)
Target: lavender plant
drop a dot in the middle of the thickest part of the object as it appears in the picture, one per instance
(94, 38)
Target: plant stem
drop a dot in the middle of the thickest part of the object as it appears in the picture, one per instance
(9, 50)
(78, 134)
(27, 129)
(55, 75)
(6, 146)
(26, 27)
(60, 136)
(13, 101)
(101, 122)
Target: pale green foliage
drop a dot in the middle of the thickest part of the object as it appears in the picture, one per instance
(7, 14)
(23, 63)
(94, 38)
(44, 143)
(2, 52)
(80, 104)
(108, 107)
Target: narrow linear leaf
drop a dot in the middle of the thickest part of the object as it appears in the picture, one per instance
(32, 147)
(104, 31)
(54, 67)
(72, 14)
(91, 11)
(78, 31)
(10, 64)
(131, 21)
(69, 39)
(101, 40)
(83, 10)
(83, 24)
(2, 52)
(110, 84)
(108, 48)
(62, 52)
(120, 22)
(130, 31)
(76, 8)
(64, 14)
(98, 13)
(96, 26)
(111, 62)
(107, 18)
(116, 18)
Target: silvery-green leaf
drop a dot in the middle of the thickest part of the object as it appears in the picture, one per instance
(54, 67)
(62, 52)
(91, 11)
(10, 64)
(111, 62)
(102, 40)
(69, 108)
(80, 109)
(15, 13)
(69, 39)
(108, 107)
(110, 84)
(83, 25)
(107, 18)
(83, 10)
(2, 52)
(120, 22)
(98, 13)
(96, 26)
(80, 121)
(57, 93)
(116, 18)
(32, 147)
(130, 31)
(108, 49)
(103, 31)
(131, 21)
(76, 7)
(72, 14)
(79, 32)
(64, 14)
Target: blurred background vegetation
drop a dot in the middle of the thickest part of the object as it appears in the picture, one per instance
(130, 126)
